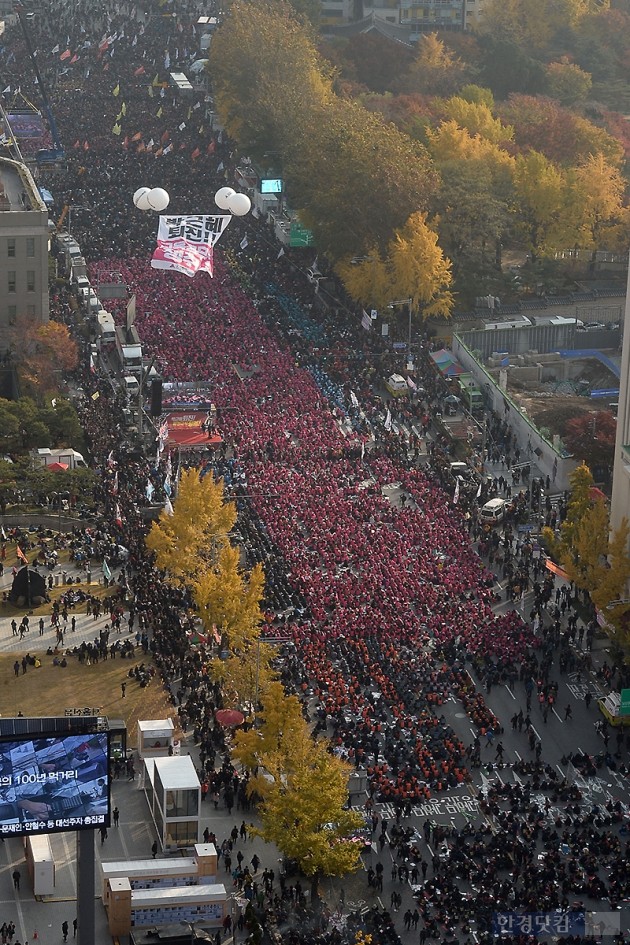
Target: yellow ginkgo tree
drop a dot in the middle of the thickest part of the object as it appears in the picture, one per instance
(303, 790)
(413, 267)
(197, 529)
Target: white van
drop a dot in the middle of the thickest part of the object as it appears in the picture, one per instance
(493, 512)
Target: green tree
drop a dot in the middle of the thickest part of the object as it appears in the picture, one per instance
(267, 75)
(197, 530)
(567, 83)
(303, 790)
(355, 178)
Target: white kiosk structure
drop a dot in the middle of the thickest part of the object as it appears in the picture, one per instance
(173, 794)
(155, 737)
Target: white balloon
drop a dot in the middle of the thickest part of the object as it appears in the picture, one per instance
(239, 205)
(222, 197)
(140, 198)
(158, 199)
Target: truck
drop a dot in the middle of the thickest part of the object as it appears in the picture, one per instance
(129, 351)
(105, 327)
(470, 394)
(64, 456)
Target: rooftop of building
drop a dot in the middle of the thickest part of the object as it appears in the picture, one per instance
(18, 191)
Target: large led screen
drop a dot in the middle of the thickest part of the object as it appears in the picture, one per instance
(54, 783)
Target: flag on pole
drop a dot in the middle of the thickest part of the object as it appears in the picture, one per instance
(168, 507)
(281, 253)
(139, 71)
(22, 557)
(362, 451)
(354, 399)
(196, 153)
(388, 420)
(366, 321)
(149, 490)
(3, 534)
(118, 516)
(53, 52)
(244, 243)
(116, 91)
(115, 484)
(116, 129)
(159, 112)
(479, 492)
(65, 55)
(107, 574)
(456, 496)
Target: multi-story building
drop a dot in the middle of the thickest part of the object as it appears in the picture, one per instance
(24, 240)
(430, 15)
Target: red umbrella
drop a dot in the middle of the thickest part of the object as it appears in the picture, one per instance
(230, 718)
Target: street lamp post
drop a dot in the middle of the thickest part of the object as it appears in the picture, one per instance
(408, 303)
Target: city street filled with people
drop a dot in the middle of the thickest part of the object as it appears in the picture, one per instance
(456, 674)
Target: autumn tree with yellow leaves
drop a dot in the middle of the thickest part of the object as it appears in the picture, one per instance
(413, 266)
(188, 540)
(594, 559)
(303, 789)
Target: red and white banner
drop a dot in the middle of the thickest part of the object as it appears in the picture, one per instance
(185, 243)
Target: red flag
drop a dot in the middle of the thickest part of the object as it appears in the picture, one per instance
(183, 147)
(125, 143)
(74, 59)
(211, 147)
(77, 144)
(103, 45)
(159, 152)
(21, 555)
(106, 67)
(86, 146)
(195, 154)
(118, 516)
(164, 137)
(137, 136)
(66, 55)
(139, 71)
(140, 148)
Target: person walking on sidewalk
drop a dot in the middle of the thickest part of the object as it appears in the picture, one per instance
(64, 931)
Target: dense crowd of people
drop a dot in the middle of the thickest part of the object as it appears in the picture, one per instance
(387, 603)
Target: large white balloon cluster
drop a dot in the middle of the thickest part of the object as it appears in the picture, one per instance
(147, 198)
(228, 199)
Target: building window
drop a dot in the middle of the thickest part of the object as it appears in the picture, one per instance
(11, 286)
(30, 280)
(30, 311)
(30, 247)
(11, 248)
(12, 312)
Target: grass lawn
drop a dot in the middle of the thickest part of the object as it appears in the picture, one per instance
(49, 690)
